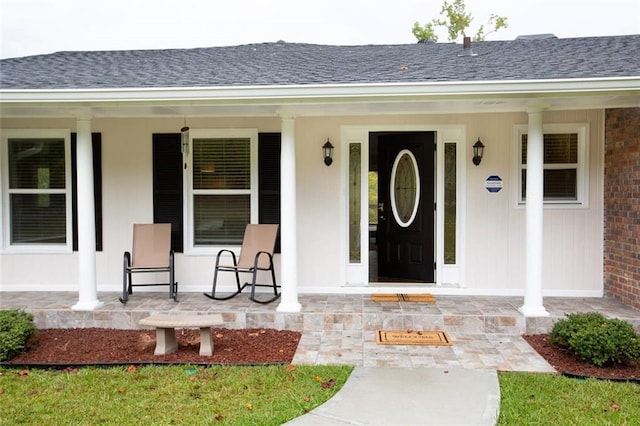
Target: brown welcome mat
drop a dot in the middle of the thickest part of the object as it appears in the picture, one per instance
(403, 297)
(412, 337)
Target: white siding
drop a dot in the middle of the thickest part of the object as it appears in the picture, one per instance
(494, 234)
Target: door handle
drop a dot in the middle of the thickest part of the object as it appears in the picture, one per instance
(381, 207)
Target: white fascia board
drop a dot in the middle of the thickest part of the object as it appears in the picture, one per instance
(344, 92)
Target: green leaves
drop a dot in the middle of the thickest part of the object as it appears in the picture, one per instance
(456, 20)
(597, 339)
(16, 328)
(424, 33)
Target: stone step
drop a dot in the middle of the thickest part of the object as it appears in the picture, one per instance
(313, 321)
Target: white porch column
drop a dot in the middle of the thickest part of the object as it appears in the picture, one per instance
(288, 226)
(88, 288)
(533, 306)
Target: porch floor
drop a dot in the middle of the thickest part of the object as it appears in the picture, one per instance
(339, 329)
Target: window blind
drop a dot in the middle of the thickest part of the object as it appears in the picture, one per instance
(559, 148)
(221, 164)
(221, 186)
(560, 166)
(37, 191)
(221, 219)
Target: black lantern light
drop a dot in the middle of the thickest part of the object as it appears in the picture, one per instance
(478, 151)
(327, 151)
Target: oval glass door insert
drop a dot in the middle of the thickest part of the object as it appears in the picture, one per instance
(405, 188)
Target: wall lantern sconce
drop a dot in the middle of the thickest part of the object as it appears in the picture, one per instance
(327, 152)
(478, 151)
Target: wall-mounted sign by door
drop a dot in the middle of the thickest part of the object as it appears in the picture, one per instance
(493, 183)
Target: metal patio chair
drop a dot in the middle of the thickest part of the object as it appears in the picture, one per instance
(151, 253)
(256, 254)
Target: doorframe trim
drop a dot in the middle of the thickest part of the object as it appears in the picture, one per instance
(357, 275)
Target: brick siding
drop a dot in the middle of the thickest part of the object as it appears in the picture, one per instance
(622, 205)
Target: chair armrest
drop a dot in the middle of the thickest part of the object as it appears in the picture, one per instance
(256, 260)
(221, 252)
(126, 259)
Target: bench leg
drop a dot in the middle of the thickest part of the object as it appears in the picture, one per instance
(165, 341)
(206, 342)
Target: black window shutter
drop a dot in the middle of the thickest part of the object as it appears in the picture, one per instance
(269, 180)
(167, 185)
(96, 143)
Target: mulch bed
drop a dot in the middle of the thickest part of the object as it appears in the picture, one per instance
(98, 346)
(566, 363)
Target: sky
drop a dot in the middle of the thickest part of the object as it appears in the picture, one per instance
(31, 27)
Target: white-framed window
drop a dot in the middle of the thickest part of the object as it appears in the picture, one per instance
(565, 164)
(221, 187)
(37, 191)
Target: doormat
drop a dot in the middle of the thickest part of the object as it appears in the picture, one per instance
(403, 297)
(412, 337)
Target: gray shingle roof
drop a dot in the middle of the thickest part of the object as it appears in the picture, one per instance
(303, 64)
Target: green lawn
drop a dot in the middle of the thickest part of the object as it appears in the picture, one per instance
(272, 395)
(547, 399)
(185, 395)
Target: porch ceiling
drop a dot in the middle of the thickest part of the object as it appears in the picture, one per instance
(326, 100)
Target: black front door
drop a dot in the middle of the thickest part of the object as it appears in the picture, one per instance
(406, 226)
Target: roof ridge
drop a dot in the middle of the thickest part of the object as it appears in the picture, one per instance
(521, 38)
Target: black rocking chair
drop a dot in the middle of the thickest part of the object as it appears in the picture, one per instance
(256, 254)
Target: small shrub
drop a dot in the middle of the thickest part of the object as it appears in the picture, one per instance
(16, 328)
(564, 329)
(596, 339)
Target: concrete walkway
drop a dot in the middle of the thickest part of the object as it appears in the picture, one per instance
(411, 396)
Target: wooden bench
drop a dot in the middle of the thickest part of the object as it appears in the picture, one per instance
(165, 331)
